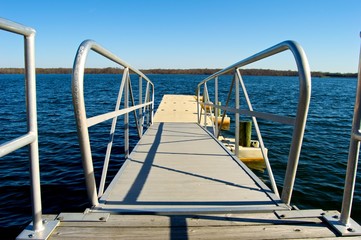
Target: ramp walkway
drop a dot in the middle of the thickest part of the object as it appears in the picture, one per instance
(180, 167)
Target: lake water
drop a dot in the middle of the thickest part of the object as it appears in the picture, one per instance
(321, 171)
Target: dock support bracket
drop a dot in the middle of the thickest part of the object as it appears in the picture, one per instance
(351, 229)
(29, 233)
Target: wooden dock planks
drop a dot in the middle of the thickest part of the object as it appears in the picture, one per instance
(205, 226)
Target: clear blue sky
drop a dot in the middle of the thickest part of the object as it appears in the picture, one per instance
(187, 33)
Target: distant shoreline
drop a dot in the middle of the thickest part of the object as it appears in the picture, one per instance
(196, 71)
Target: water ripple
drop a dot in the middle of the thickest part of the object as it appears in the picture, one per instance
(323, 159)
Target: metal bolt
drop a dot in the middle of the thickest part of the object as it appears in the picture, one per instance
(335, 216)
(31, 235)
(45, 221)
(102, 218)
(282, 216)
(350, 229)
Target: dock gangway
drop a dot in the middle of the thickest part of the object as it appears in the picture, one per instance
(179, 181)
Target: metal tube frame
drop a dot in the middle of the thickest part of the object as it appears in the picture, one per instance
(343, 223)
(38, 229)
(299, 122)
(259, 135)
(112, 132)
(31, 138)
(83, 123)
(353, 156)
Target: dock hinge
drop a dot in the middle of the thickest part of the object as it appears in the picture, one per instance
(83, 217)
(290, 214)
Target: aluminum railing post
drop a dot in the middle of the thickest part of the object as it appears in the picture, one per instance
(140, 91)
(205, 101)
(236, 118)
(353, 156)
(152, 116)
(198, 103)
(33, 128)
(37, 229)
(126, 117)
(216, 106)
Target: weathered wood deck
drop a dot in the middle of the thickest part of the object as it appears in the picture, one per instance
(181, 183)
(201, 226)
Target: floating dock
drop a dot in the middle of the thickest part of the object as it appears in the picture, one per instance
(177, 108)
(180, 182)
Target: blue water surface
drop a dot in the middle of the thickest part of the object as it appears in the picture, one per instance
(321, 170)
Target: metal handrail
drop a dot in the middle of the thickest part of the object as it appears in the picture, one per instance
(145, 107)
(31, 138)
(353, 154)
(299, 121)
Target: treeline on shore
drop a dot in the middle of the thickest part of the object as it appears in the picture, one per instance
(198, 71)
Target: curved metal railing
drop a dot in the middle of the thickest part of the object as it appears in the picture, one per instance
(145, 108)
(299, 121)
